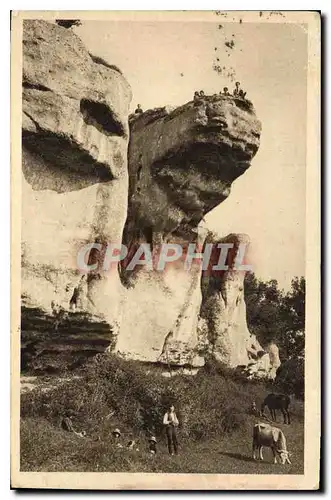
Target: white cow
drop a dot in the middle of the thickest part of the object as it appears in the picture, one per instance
(272, 437)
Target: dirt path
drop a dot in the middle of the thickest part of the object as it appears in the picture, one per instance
(29, 383)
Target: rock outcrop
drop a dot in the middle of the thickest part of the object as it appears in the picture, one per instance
(224, 310)
(82, 185)
(74, 183)
(181, 165)
(75, 179)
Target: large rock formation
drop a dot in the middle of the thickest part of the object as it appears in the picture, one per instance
(77, 190)
(181, 165)
(224, 311)
(75, 180)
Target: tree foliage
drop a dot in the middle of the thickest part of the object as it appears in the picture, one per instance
(276, 316)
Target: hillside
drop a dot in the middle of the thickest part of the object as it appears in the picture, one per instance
(214, 433)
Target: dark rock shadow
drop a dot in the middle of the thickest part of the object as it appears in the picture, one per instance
(54, 166)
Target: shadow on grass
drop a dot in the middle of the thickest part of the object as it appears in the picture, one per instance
(237, 456)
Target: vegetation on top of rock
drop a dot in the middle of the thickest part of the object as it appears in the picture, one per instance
(68, 23)
(100, 60)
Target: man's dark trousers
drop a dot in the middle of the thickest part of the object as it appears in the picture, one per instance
(172, 439)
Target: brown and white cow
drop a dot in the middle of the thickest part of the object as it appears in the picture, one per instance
(272, 437)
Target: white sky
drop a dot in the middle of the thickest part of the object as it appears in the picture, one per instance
(165, 62)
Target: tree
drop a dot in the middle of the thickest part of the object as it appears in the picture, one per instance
(275, 316)
(291, 377)
(293, 311)
(264, 308)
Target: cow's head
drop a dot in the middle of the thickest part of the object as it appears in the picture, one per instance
(284, 456)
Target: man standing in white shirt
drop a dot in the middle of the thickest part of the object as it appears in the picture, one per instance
(170, 421)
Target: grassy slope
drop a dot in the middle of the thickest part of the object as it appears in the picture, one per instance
(215, 436)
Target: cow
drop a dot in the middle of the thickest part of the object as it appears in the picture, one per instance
(277, 402)
(272, 437)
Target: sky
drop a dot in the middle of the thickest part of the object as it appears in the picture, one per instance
(165, 62)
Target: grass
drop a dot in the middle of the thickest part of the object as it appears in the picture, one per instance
(213, 409)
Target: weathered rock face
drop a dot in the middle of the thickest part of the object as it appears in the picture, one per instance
(181, 165)
(273, 352)
(75, 180)
(77, 190)
(224, 310)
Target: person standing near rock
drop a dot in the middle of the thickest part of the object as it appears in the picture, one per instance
(237, 89)
(138, 110)
(196, 98)
(170, 421)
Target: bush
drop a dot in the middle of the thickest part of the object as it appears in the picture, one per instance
(112, 392)
(109, 392)
(291, 377)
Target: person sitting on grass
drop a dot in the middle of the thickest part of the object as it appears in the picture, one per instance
(254, 410)
(152, 445)
(170, 421)
(117, 436)
(66, 424)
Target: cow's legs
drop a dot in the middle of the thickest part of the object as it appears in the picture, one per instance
(288, 417)
(284, 412)
(254, 450)
(260, 453)
(275, 455)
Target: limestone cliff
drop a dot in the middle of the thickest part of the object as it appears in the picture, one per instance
(223, 315)
(74, 172)
(224, 310)
(82, 184)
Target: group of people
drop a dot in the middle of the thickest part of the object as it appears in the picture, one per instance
(170, 423)
(200, 95)
(237, 92)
